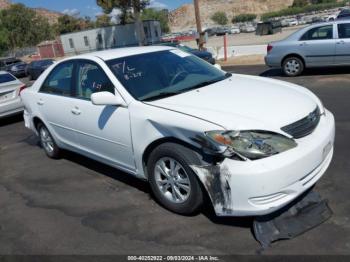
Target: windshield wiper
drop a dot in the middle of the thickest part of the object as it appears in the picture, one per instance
(160, 96)
(206, 83)
(167, 94)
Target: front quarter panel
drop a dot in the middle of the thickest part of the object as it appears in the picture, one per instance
(151, 123)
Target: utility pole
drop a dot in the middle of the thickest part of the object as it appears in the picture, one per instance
(199, 24)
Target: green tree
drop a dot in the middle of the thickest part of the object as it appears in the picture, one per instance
(67, 24)
(125, 5)
(103, 21)
(23, 26)
(220, 18)
(160, 15)
(3, 40)
(244, 18)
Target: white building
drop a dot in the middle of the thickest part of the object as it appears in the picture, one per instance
(109, 37)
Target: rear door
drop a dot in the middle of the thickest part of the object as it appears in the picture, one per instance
(104, 131)
(318, 46)
(54, 102)
(343, 44)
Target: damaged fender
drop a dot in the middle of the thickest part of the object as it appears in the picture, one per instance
(216, 180)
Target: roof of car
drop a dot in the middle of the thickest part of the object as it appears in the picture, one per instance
(123, 52)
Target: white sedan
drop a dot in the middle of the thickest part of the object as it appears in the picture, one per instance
(10, 89)
(252, 144)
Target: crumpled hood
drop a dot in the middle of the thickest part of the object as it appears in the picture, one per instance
(245, 102)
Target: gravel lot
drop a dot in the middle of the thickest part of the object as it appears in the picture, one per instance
(78, 206)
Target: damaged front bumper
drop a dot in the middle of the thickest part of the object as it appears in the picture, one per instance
(260, 187)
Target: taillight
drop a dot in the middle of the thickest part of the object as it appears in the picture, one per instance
(21, 89)
(269, 48)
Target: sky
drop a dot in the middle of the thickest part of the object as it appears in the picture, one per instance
(89, 7)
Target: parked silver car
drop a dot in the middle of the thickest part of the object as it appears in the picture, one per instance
(10, 89)
(319, 45)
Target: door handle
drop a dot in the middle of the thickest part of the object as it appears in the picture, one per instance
(40, 102)
(76, 111)
(303, 44)
(341, 42)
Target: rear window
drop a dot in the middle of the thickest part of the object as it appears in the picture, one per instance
(6, 78)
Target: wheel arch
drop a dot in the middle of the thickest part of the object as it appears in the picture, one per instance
(37, 121)
(147, 152)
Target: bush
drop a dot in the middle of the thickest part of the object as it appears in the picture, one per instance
(243, 18)
(220, 18)
(323, 5)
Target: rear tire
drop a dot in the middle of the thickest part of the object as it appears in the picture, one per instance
(293, 66)
(172, 180)
(47, 142)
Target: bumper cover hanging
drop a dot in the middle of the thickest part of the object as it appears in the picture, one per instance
(305, 213)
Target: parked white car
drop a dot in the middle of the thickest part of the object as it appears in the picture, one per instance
(252, 144)
(235, 30)
(293, 22)
(10, 89)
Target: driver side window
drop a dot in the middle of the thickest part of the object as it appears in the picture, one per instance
(91, 79)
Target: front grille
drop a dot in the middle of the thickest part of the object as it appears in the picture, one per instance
(304, 126)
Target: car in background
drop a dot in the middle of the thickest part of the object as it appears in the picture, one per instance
(344, 14)
(220, 31)
(248, 144)
(18, 69)
(6, 63)
(205, 55)
(234, 30)
(318, 45)
(10, 89)
(37, 67)
(247, 28)
(293, 22)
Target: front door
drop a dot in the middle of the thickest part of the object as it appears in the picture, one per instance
(104, 131)
(343, 44)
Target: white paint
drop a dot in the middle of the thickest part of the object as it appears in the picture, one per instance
(119, 136)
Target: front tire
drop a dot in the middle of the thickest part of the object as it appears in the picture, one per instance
(293, 66)
(47, 142)
(172, 180)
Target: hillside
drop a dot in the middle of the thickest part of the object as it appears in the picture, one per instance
(184, 18)
(52, 16)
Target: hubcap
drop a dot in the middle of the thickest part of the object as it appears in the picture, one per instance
(292, 67)
(46, 140)
(172, 180)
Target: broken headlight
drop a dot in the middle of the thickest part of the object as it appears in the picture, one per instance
(252, 144)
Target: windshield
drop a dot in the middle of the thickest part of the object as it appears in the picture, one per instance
(159, 74)
(6, 78)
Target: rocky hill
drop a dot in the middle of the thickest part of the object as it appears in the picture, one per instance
(52, 16)
(184, 18)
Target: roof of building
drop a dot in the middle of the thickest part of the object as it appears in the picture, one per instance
(50, 42)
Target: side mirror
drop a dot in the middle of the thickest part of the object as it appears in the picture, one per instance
(107, 98)
(218, 66)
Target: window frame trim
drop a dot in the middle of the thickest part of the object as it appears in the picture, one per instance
(319, 26)
(75, 72)
(71, 80)
(339, 24)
